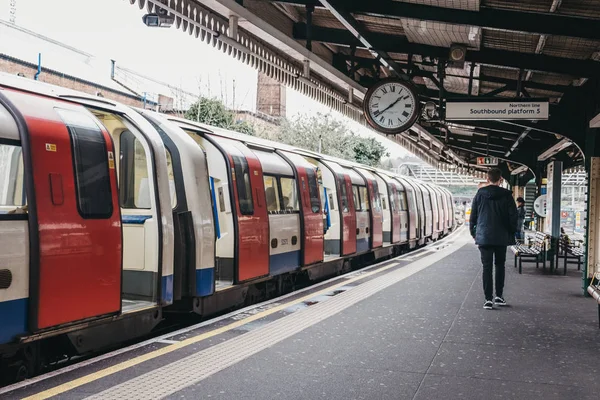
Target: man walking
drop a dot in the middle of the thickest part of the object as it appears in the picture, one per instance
(493, 225)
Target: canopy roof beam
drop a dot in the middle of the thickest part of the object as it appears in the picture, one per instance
(491, 18)
(399, 44)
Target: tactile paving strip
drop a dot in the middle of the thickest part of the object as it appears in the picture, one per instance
(174, 377)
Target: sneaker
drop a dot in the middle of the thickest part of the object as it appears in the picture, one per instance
(499, 301)
(488, 305)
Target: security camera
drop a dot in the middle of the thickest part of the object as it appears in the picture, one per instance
(161, 19)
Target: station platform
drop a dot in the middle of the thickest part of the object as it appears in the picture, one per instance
(408, 328)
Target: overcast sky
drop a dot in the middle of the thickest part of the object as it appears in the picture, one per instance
(113, 29)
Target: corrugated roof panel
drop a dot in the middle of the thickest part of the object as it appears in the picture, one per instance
(441, 34)
(510, 41)
(580, 8)
(390, 26)
(458, 4)
(499, 72)
(568, 47)
(520, 5)
(552, 79)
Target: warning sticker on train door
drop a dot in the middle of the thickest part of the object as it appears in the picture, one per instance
(111, 160)
(50, 147)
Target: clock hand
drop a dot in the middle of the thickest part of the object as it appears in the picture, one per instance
(391, 105)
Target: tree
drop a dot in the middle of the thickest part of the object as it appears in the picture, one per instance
(213, 112)
(368, 151)
(330, 136)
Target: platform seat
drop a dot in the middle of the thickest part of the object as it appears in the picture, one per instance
(594, 291)
(569, 252)
(534, 251)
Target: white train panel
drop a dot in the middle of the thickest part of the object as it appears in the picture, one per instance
(284, 234)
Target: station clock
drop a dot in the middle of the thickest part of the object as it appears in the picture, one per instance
(391, 106)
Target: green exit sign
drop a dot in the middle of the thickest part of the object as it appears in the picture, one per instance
(487, 161)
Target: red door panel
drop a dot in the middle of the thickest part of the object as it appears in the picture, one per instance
(79, 273)
(314, 241)
(253, 228)
(348, 215)
(376, 215)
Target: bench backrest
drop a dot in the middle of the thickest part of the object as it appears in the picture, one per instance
(538, 242)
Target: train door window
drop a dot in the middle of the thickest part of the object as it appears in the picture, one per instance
(289, 194)
(313, 191)
(427, 200)
(12, 189)
(393, 198)
(271, 193)
(364, 198)
(343, 193)
(376, 198)
(356, 197)
(242, 181)
(134, 184)
(141, 188)
(90, 162)
(403, 201)
(171, 179)
(383, 205)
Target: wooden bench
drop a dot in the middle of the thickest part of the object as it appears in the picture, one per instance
(571, 253)
(535, 250)
(594, 291)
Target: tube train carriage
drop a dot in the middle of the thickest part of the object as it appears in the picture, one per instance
(110, 216)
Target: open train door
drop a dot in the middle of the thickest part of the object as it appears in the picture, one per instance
(75, 252)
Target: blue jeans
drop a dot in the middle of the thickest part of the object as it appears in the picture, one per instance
(520, 235)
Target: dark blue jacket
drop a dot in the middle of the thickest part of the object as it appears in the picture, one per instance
(493, 217)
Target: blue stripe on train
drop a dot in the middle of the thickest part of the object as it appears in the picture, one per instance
(167, 290)
(362, 245)
(205, 282)
(284, 262)
(135, 219)
(13, 319)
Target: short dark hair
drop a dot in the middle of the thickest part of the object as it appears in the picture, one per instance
(520, 200)
(494, 175)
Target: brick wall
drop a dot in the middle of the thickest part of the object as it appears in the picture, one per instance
(13, 66)
(270, 96)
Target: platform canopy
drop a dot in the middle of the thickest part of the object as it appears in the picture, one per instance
(333, 50)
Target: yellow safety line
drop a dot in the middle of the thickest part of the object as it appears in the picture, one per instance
(65, 387)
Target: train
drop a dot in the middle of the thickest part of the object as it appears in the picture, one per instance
(113, 219)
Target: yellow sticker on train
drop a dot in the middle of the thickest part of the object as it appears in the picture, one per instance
(50, 147)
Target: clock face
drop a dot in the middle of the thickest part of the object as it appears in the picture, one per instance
(391, 106)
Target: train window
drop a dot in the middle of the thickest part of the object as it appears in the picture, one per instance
(171, 179)
(427, 200)
(242, 181)
(376, 197)
(364, 198)
(356, 198)
(393, 197)
(90, 162)
(403, 200)
(12, 189)
(271, 193)
(134, 185)
(343, 193)
(313, 190)
(141, 191)
(383, 203)
(289, 192)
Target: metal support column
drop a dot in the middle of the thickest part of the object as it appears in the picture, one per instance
(553, 197)
(593, 233)
(310, 8)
